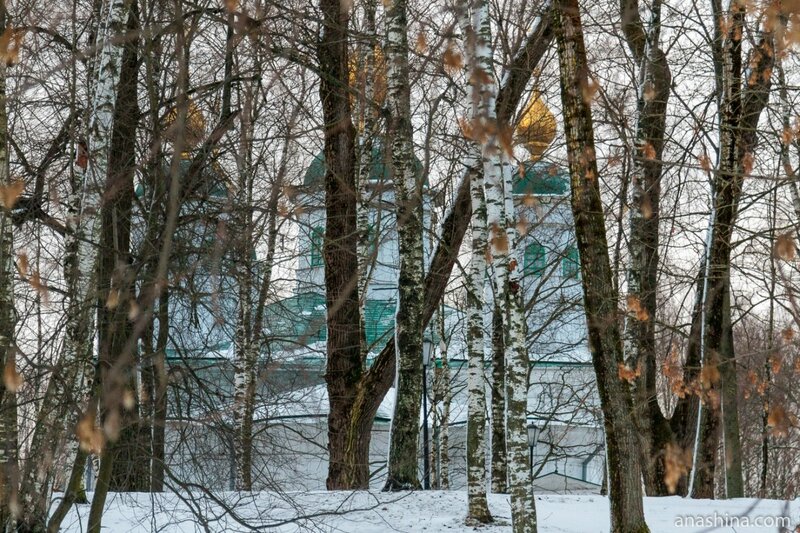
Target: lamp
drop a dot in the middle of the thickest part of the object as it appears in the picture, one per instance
(533, 437)
(427, 348)
(533, 434)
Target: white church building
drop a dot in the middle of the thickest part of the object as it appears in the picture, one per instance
(290, 426)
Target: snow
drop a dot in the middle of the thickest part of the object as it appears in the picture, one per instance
(422, 511)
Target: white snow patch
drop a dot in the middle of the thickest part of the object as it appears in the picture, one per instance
(431, 512)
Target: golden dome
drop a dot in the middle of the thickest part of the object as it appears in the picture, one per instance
(537, 127)
(358, 79)
(195, 129)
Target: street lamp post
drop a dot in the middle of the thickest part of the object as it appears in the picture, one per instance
(427, 347)
(533, 437)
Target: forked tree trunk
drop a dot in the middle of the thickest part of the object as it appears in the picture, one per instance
(600, 297)
(113, 376)
(500, 215)
(357, 394)
(72, 387)
(742, 98)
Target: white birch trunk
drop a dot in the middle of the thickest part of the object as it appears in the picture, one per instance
(444, 453)
(404, 446)
(76, 359)
(477, 506)
(246, 352)
(367, 131)
(501, 224)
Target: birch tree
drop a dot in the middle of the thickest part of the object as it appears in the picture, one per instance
(404, 445)
(500, 216)
(76, 358)
(477, 505)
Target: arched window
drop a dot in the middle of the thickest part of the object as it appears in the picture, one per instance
(535, 259)
(571, 264)
(317, 240)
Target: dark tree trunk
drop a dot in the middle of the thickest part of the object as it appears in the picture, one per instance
(498, 407)
(130, 470)
(643, 244)
(600, 298)
(741, 103)
(347, 468)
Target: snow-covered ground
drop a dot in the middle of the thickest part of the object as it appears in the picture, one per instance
(429, 512)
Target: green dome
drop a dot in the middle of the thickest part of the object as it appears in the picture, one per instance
(541, 179)
(315, 174)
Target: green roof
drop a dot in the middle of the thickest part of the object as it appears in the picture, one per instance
(541, 179)
(301, 320)
(315, 174)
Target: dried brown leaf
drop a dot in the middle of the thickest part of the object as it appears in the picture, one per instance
(421, 44)
(747, 163)
(648, 151)
(11, 378)
(112, 301)
(22, 264)
(784, 247)
(9, 194)
(705, 162)
(636, 308)
(677, 463)
(709, 376)
(629, 374)
(89, 436)
(779, 421)
(452, 59)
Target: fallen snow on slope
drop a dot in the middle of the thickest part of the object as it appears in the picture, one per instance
(428, 512)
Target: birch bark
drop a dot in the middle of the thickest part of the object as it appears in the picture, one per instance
(500, 216)
(477, 506)
(404, 446)
(246, 352)
(73, 387)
